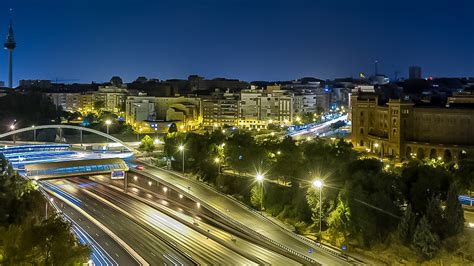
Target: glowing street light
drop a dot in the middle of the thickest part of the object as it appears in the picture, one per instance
(181, 149)
(217, 160)
(259, 177)
(318, 184)
(108, 122)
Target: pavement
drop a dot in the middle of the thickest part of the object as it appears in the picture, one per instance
(160, 238)
(105, 251)
(245, 216)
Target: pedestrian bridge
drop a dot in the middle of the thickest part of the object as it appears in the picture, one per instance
(61, 127)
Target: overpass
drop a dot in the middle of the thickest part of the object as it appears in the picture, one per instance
(61, 127)
(115, 166)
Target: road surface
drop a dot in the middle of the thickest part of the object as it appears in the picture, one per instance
(244, 215)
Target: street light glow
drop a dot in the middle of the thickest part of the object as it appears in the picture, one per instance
(317, 183)
(259, 177)
(181, 147)
(376, 145)
(12, 126)
(216, 159)
(108, 122)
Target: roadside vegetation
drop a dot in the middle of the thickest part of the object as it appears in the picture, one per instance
(27, 237)
(366, 204)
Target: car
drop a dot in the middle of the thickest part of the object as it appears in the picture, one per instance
(139, 167)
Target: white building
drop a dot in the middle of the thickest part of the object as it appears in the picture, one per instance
(139, 108)
(258, 108)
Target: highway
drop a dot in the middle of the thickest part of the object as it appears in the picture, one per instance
(186, 212)
(150, 232)
(319, 128)
(105, 251)
(242, 215)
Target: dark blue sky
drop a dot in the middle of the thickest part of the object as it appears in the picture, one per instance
(91, 40)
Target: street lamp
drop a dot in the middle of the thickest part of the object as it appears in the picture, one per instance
(217, 161)
(260, 179)
(50, 199)
(318, 184)
(376, 145)
(108, 123)
(12, 127)
(181, 149)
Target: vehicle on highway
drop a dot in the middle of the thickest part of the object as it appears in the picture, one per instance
(139, 167)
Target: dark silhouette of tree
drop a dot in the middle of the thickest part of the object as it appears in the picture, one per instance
(116, 81)
(425, 242)
(406, 227)
(453, 212)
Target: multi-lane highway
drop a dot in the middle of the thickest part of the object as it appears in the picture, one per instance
(170, 238)
(243, 216)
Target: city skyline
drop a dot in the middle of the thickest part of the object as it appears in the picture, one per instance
(236, 39)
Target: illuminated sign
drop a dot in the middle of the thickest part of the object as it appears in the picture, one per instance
(117, 175)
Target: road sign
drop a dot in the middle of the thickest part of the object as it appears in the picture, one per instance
(117, 175)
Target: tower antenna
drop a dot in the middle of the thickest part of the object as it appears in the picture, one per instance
(10, 45)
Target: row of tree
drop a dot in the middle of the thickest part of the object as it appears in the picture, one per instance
(363, 201)
(26, 236)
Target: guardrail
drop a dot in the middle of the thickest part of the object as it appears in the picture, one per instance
(232, 221)
(307, 241)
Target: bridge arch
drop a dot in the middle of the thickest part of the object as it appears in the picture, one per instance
(33, 128)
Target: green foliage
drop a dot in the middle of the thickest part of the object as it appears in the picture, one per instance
(406, 227)
(372, 200)
(465, 175)
(29, 108)
(57, 244)
(24, 238)
(256, 196)
(434, 215)
(454, 213)
(289, 155)
(147, 144)
(339, 223)
(422, 182)
(425, 242)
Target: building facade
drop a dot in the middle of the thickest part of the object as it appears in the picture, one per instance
(400, 129)
(220, 110)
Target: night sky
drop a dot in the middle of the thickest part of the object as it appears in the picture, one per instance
(91, 40)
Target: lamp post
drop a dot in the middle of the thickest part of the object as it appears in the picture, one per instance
(12, 127)
(34, 132)
(107, 124)
(376, 145)
(259, 179)
(47, 203)
(181, 148)
(217, 160)
(318, 184)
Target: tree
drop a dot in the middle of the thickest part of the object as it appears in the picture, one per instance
(422, 182)
(373, 199)
(116, 81)
(434, 215)
(173, 128)
(147, 144)
(57, 244)
(425, 242)
(454, 213)
(406, 227)
(338, 223)
(289, 155)
(465, 177)
(141, 79)
(99, 105)
(256, 196)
